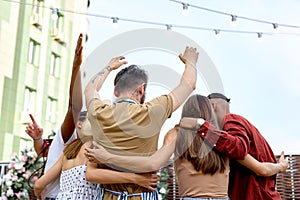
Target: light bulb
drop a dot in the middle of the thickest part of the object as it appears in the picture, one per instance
(115, 22)
(169, 27)
(185, 9)
(233, 20)
(275, 28)
(217, 34)
(54, 15)
(259, 36)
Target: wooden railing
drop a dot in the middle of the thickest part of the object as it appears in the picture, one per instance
(288, 184)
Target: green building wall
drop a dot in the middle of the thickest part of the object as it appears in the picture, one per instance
(17, 73)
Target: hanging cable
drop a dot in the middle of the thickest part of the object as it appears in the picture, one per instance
(116, 20)
(239, 17)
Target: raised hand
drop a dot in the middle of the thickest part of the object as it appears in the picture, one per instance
(284, 162)
(78, 52)
(34, 130)
(190, 56)
(117, 62)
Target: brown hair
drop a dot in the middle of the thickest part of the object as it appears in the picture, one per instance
(72, 149)
(191, 146)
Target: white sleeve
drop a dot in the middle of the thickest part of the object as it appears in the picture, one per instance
(56, 149)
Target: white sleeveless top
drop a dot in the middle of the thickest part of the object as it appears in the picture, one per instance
(73, 185)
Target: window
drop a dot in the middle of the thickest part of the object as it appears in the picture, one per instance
(57, 25)
(33, 52)
(54, 65)
(51, 109)
(37, 7)
(29, 100)
(36, 18)
(57, 22)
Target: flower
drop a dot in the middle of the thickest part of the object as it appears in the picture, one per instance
(18, 165)
(162, 185)
(24, 158)
(11, 165)
(9, 183)
(19, 194)
(17, 179)
(3, 198)
(14, 178)
(10, 192)
(162, 191)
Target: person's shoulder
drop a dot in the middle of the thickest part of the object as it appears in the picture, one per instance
(234, 116)
(97, 104)
(162, 99)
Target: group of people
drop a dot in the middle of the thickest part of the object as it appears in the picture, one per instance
(110, 150)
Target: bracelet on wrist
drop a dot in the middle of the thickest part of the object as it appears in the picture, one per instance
(37, 140)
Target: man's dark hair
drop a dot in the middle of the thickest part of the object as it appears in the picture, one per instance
(129, 78)
(217, 95)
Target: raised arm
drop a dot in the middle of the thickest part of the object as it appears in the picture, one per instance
(95, 84)
(141, 163)
(265, 168)
(52, 174)
(75, 94)
(189, 77)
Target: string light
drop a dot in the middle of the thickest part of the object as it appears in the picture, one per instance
(217, 34)
(233, 20)
(185, 9)
(170, 26)
(115, 22)
(275, 28)
(54, 14)
(260, 38)
(240, 17)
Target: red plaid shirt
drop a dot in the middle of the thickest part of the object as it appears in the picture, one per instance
(238, 138)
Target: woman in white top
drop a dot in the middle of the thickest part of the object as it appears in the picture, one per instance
(72, 165)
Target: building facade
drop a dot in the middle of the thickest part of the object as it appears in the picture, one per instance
(37, 40)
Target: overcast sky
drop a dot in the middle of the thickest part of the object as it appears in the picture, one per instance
(261, 78)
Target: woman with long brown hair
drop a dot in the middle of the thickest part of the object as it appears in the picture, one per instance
(201, 171)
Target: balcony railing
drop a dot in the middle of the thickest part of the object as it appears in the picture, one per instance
(3, 170)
